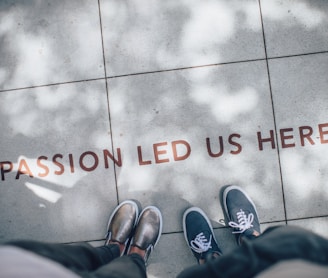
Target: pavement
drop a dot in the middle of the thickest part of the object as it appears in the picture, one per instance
(165, 102)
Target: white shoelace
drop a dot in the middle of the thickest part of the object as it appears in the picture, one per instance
(244, 222)
(200, 243)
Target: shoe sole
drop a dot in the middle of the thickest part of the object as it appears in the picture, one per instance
(224, 198)
(201, 212)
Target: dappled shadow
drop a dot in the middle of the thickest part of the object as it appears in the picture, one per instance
(295, 27)
(165, 35)
(303, 110)
(42, 42)
(207, 85)
(196, 104)
(164, 107)
(51, 183)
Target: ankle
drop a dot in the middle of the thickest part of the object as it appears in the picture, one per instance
(120, 245)
(137, 250)
(252, 236)
(209, 257)
(256, 233)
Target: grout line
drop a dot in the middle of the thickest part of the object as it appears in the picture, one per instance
(261, 223)
(220, 64)
(186, 68)
(215, 228)
(305, 218)
(107, 93)
(164, 70)
(297, 55)
(102, 39)
(274, 115)
(52, 84)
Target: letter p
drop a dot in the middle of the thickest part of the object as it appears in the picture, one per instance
(4, 169)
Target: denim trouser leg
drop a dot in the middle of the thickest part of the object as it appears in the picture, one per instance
(88, 261)
(274, 245)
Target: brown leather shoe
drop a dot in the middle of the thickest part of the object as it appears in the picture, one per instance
(148, 230)
(122, 223)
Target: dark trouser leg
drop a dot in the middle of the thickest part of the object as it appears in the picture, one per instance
(274, 245)
(78, 258)
(131, 266)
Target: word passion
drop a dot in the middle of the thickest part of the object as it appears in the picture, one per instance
(161, 152)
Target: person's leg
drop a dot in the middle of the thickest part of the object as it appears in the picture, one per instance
(145, 238)
(258, 252)
(130, 266)
(83, 257)
(254, 256)
(242, 217)
(77, 258)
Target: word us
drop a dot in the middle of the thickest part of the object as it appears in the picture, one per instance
(161, 152)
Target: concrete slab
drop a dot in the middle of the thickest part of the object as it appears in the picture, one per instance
(43, 42)
(162, 264)
(172, 255)
(142, 36)
(55, 184)
(318, 225)
(161, 123)
(295, 27)
(300, 99)
(180, 132)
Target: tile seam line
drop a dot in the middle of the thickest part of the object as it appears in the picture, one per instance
(107, 94)
(219, 64)
(126, 75)
(165, 70)
(53, 84)
(185, 68)
(274, 115)
(228, 227)
(297, 55)
(262, 223)
(305, 218)
(214, 228)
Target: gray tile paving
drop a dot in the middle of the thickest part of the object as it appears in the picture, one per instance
(174, 245)
(295, 27)
(209, 79)
(317, 225)
(54, 181)
(232, 102)
(300, 98)
(45, 42)
(143, 37)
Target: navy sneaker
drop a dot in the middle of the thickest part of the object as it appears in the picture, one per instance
(199, 235)
(241, 213)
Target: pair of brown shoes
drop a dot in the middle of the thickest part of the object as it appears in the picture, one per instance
(128, 228)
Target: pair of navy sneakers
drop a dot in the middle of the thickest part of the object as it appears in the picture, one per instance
(242, 217)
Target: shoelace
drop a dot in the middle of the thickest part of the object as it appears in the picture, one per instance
(244, 222)
(200, 243)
